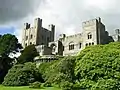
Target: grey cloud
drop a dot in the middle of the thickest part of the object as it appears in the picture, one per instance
(12, 10)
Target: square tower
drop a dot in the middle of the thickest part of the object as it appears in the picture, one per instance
(30, 34)
(37, 35)
(93, 32)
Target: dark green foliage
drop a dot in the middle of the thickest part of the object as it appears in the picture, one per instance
(97, 67)
(28, 54)
(58, 71)
(35, 85)
(22, 74)
(8, 44)
(106, 84)
(5, 65)
(46, 84)
(66, 85)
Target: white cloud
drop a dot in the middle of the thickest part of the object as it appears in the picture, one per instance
(68, 15)
(102, 4)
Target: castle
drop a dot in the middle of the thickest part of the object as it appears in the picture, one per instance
(94, 33)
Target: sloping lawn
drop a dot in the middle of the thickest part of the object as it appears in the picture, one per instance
(25, 88)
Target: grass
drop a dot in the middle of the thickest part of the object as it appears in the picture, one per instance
(26, 88)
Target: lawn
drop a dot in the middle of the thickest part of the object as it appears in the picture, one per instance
(25, 88)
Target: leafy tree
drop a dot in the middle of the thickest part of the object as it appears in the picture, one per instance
(58, 71)
(98, 67)
(8, 44)
(28, 54)
(22, 74)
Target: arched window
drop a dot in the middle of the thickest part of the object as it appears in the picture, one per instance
(30, 43)
(89, 36)
(86, 44)
(53, 48)
(89, 44)
(71, 46)
(92, 43)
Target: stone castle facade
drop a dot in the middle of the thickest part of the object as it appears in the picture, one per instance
(94, 33)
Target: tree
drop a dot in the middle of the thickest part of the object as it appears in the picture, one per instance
(97, 67)
(22, 75)
(28, 54)
(8, 44)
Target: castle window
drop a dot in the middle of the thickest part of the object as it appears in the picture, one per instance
(92, 43)
(86, 44)
(31, 36)
(80, 45)
(30, 43)
(89, 36)
(89, 44)
(71, 46)
(26, 37)
(25, 44)
(63, 48)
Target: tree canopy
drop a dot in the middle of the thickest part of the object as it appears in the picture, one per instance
(28, 54)
(8, 44)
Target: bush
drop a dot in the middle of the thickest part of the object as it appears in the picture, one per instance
(35, 85)
(28, 55)
(108, 84)
(22, 74)
(46, 84)
(66, 85)
(58, 71)
(98, 67)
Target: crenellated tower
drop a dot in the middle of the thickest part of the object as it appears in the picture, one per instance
(37, 35)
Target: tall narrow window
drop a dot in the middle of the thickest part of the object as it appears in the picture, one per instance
(26, 45)
(89, 36)
(63, 48)
(31, 36)
(26, 37)
(80, 45)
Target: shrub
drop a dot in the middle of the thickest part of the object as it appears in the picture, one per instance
(35, 85)
(22, 74)
(98, 67)
(28, 55)
(58, 71)
(46, 84)
(106, 84)
(66, 85)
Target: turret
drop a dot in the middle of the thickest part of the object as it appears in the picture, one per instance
(26, 26)
(117, 31)
(52, 29)
(37, 23)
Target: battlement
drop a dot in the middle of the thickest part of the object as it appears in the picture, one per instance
(91, 22)
(117, 31)
(26, 25)
(51, 27)
(75, 35)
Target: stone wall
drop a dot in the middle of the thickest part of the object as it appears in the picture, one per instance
(37, 35)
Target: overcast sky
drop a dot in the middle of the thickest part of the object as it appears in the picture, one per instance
(67, 15)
